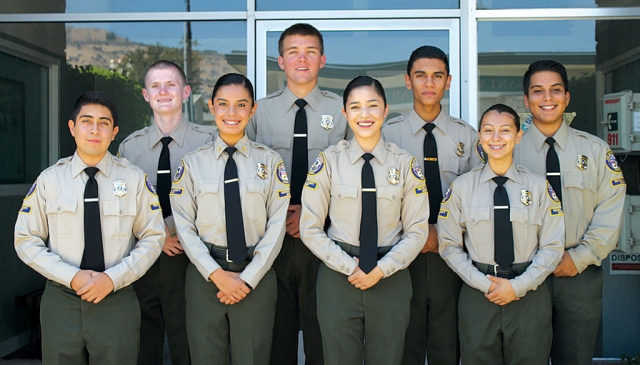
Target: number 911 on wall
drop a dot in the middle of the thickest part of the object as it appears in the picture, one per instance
(621, 121)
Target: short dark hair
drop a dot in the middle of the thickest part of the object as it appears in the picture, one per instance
(501, 108)
(95, 98)
(233, 79)
(544, 65)
(301, 29)
(361, 81)
(427, 52)
(166, 64)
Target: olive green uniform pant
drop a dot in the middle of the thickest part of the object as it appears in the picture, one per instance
(577, 312)
(297, 271)
(220, 334)
(434, 313)
(518, 333)
(80, 333)
(363, 325)
(161, 295)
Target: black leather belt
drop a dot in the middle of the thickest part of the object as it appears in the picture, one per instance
(355, 250)
(222, 252)
(510, 272)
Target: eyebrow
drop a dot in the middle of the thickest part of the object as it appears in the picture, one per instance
(537, 85)
(436, 72)
(91, 116)
(223, 99)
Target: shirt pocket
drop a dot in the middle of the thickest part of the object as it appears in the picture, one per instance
(118, 216)
(61, 212)
(318, 142)
(255, 203)
(344, 202)
(389, 199)
(525, 223)
(207, 198)
(280, 141)
(478, 224)
(456, 165)
(580, 188)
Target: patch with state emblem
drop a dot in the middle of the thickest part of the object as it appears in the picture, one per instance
(318, 165)
(612, 163)
(32, 190)
(416, 170)
(447, 195)
(281, 172)
(552, 194)
(179, 172)
(149, 185)
(480, 152)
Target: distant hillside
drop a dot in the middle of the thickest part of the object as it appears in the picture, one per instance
(102, 48)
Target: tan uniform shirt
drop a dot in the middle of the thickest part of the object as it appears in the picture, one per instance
(466, 219)
(143, 149)
(593, 189)
(197, 199)
(273, 122)
(456, 141)
(49, 232)
(333, 187)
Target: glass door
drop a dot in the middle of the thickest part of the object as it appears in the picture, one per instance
(374, 47)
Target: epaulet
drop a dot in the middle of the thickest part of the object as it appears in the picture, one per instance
(138, 133)
(394, 120)
(393, 148)
(479, 167)
(122, 161)
(338, 146)
(262, 146)
(201, 148)
(61, 161)
(202, 129)
(330, 94)
(274, 94)
(590, 137)
(462, 122)
(523, 169)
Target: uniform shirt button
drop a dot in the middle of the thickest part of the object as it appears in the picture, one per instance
(120, 211)
(342, 268)
(328, 258)
(58, 209)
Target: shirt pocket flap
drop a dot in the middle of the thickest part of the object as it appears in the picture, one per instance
(119, 207)
(451, 165)
(280, 141)
(62, 204)
(389, 192)
(579, 181)
(256, 186)
(344, 191)
(202, 187)
(475, 215)
(525, 216)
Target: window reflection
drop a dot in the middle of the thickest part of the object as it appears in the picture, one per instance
(354, 4)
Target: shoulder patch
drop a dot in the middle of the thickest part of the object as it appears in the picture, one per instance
(149, 186)
(416, 170)
(612, 163)
(552, 194)
(318, 164)
(618, 182)
(281, 172)
(179, 172)
(480, 152)
(447, 195)
(32, 190)
(310, 184)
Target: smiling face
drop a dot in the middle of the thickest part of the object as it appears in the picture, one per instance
(365, 111)
(429, 81)
(301, 60)
(498, 136)
(547, 98)
(165, 91)
(93, 131)
(232, 107)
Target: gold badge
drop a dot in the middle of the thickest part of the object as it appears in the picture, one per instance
(582, 162)
(525, 197)
(460, 151)
(327, 121)
(119, 187)
(394, 176)
(262, 171)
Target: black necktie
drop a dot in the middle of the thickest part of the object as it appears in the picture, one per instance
(300, 163)
(93, 256)
(163, 178)
(502, 229)
(369, 221)
(553, 168)
(236, 243)
(432, 172)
